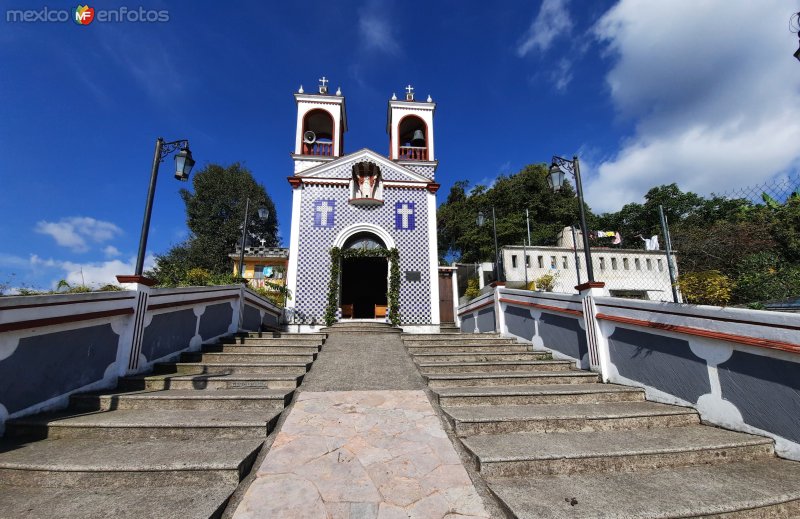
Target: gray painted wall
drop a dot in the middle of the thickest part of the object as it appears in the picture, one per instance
(486, 320)
(168, 333)
(468, 323)
(766, 391)
(215, 320)
(46, 366)
(519, 322)
(564, 335)
(664, 363)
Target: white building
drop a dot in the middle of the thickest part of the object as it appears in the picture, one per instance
(633, 273)
(364, 200)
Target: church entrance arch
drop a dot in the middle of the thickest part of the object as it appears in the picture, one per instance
(365, 279)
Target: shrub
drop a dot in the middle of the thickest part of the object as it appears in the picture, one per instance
(546, 282)
(708, 287)
(197, 277)
(472, 289)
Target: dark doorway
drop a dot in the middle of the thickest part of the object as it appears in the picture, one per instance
(364, 285)
(446, 296)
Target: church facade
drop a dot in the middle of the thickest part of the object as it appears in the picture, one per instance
(363, 200)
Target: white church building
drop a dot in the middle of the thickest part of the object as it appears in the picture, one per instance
(363, 199)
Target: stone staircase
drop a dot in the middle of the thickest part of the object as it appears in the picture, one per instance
(552, 441)
(174, 443)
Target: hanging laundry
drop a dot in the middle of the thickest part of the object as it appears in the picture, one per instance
(617, 239)
(607, 234)
(650, 243)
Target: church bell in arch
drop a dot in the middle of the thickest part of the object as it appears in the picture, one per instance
(418, 139)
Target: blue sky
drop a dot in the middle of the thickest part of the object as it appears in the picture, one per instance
(705, 94)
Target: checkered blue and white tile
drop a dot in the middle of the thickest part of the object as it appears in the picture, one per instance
(313, 261)
(345, 170)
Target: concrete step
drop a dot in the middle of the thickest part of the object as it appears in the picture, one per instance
(361, 327)
(239, 399)
(209, 381)
(248, 348)
(537, 394)
(741, 489)
(456, 339)
(137, 424)
(469, 348)
(87, 463)
(194, 502)
(263, 368)
(500, 378)
(226, 357)
(449, 334)
(273, 342)
(472, 420)
(429, 358)
(524, 454)
(495, 366)
(286, 335)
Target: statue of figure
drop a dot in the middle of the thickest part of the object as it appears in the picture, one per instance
(366, 184)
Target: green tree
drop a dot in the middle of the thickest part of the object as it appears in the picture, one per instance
(461, 239)
(214, 215)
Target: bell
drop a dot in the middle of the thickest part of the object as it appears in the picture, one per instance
(418, 139)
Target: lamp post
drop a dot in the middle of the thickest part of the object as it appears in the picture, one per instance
(795, 25)
(555, 179)
(183, 166)
(263, 213)
(497, 260)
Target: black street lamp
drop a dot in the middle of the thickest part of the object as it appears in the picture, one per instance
(497, 260)
(555, 179)
(183, 166)
(795, 24)
(263, 213)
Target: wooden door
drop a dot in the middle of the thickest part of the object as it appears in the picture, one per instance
(446, 297)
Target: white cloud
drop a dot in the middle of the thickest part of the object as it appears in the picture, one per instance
(12, 261)
(110, 251)
(375, 28)
(714, 93)
(75, 232)
(561, 76)
(94, 274)
(552, 20)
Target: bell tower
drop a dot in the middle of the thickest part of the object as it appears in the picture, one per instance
(321, 123)
(410, 129)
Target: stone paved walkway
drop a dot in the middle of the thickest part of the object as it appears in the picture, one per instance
(362, 441)
(348, 454)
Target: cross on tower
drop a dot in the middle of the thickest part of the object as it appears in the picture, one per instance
(405, 212)
(410, 90)
(323, 82)
(323, 209)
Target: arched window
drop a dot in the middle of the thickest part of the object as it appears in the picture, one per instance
(318, 133)
(412, 134)
(364, 240)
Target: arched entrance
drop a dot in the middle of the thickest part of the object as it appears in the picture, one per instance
(365, 281)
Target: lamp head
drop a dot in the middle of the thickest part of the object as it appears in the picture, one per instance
(481, 219)
(555, 177)
(183, 164)
(263, 213)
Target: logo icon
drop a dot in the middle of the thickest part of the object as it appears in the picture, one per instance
(83, 14)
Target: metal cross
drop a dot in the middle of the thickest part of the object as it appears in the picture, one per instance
(410, 89)
(323, 81)
(324, 209)
(405, 212)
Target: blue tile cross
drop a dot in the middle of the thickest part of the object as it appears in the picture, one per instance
(324, 213)
(404, 216)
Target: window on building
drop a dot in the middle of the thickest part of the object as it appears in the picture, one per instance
(613, 263)
(602, 263)
(637, 264)
(541, 262)
(649, 263)
(527, 260)
(513, 261)
(552, 262)
(660, 265)
(625, 264)
(564, 262)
